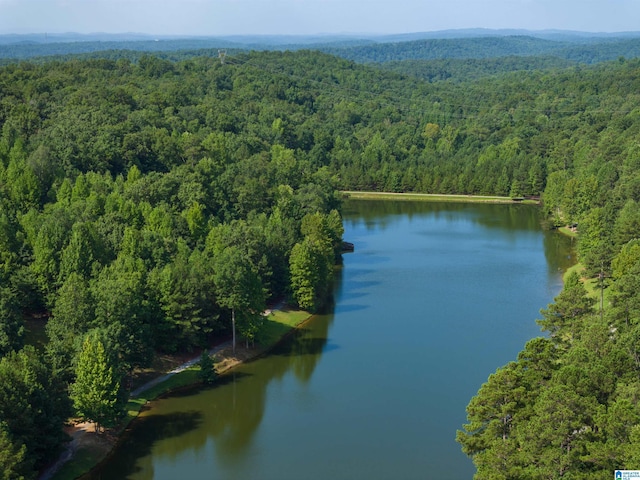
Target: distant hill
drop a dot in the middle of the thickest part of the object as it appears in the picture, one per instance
(591, 51)
(451, 44)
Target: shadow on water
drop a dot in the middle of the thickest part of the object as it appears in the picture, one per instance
(353, 308)
(221, 382)
(226, 414)
(154, 428)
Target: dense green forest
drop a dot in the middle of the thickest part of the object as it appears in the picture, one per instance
(147, 201)
(142, 206)
(466, 69)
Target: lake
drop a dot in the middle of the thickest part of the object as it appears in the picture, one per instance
(435, 297)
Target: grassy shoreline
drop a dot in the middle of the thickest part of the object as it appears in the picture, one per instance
(97, 448)
(431, 197)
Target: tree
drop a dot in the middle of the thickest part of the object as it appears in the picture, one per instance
(79, 255)
(310, 265)
(628, 256)
(595, 248)
(493, 414)
(554, 194)
(72, 317)
(33, 406)
(556, 437)
(96, 391)
(207, 369)
(14, 464)
(11, 323)
(185, 294)
(627, 224)
(121, 306)
(571, 304)
(238, 288)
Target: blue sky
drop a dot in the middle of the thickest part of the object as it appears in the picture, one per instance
(227, 17)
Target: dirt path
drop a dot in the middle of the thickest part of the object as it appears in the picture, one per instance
(215, 350)
(178, 369)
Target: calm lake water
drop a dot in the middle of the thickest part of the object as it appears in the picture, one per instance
(435, 297)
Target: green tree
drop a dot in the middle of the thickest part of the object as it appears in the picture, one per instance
(72, 317)
(96, 392)
(121, 306)
(207, 370)
(33, 406)
(196, 221)
(50, 238)
(627, 224)
(185, 292)
(78, 256)
(14, 464)
(239, 289)
(9, 245)
(595, 248)
(553, 196)
(11, 323)
(628, 256)
(311, 267)
(570, 305)
(555, 439)
(493, 413)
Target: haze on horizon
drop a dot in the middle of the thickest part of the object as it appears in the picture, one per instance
(310, 17)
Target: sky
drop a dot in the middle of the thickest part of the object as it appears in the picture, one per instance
(307, 17)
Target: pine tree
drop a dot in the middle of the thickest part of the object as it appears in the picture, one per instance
(95, 393)
(562, 317)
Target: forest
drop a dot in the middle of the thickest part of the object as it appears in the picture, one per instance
(146, 200)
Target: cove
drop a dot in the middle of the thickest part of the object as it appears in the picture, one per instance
(435, 297)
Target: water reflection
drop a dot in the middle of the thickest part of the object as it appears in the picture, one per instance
(384, 213)
(223, 418)
(158, 427)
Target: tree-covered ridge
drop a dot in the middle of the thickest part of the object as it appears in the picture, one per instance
(468, 69)
(487, 47)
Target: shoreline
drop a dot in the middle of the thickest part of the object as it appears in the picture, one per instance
(434, 197)
(87, 450)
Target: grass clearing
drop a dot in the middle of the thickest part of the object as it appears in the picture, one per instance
(84, 459)
(429, 197)
(592, 285)
(177, 380)
(279, 323)
(568, 232)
